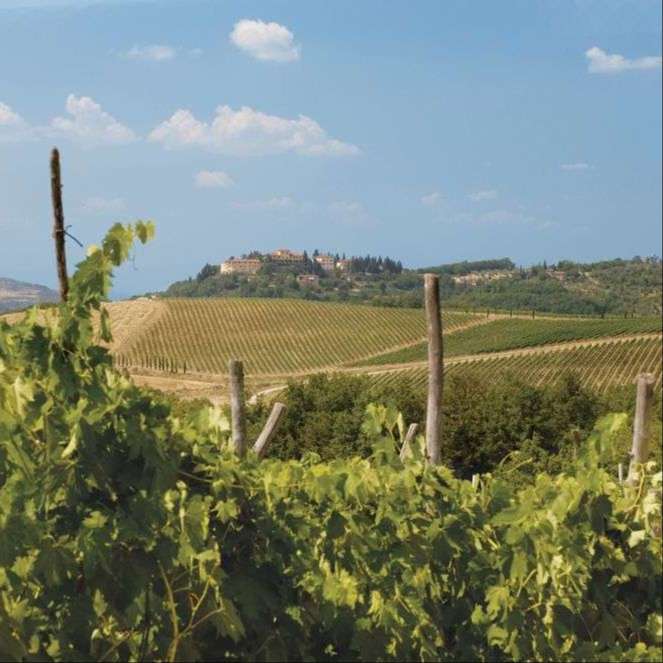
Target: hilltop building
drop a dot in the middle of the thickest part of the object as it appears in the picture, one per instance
(344, 265)
(241, 266)
(286, 256)
(326, 261)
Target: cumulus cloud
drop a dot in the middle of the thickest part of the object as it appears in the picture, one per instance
(152, 52)
(581, 165)
(601, 62)
(99, 204)
(89, 124)
(8, 118)
(271, 203)
(486, 194)
(265, 41)
(432, 199)
(247, 132)
(12, 126)
(212, 179)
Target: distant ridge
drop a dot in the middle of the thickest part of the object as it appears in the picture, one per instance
(18, 294)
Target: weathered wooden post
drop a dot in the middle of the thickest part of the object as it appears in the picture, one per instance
(58, 224)
(435, 367)
(237, 414)
(643, 402)
(406, 449)
(261, 445)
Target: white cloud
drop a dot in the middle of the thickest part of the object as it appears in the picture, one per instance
(99, 204)
(153, 52)
(12, 126)
(89, 124)
(581, 165)
(212, 179)
(265, 41)
(486, 194)
(432, 199)
(601, 62)
(8, 118)
(247, 132)
(272, 203)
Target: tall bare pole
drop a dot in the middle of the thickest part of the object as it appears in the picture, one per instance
(435, 367)
(643, 402)
(237, 416)
(58, 224)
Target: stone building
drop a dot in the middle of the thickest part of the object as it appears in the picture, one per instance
(326, 261)
(241, 266)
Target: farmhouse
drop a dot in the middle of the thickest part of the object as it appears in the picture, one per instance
(311, 280)
(344, 265)
(241, 266)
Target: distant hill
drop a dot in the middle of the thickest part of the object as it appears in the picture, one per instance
(611, 287)
(18, 294)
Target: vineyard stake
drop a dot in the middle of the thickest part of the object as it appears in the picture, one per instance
(643, 402)
(261, 447)
(58, 224)
(406, 449)
(435, 367)
(237, 414)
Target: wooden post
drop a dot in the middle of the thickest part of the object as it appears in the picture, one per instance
(643, 402)
(435, 368)
(58, 224)
(261, 446)
(238, 420)
(406, 449)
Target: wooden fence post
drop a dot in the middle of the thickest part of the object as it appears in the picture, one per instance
(640, 449)
(58, 224)
(237, 415)
(435, 368)
(265, 438)
(406, 449)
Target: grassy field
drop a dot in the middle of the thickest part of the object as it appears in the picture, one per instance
(507, 334)
(598, 365)
(270, 336)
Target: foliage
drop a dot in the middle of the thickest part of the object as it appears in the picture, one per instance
(129, 533)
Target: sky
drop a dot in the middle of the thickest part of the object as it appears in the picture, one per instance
(431, 132)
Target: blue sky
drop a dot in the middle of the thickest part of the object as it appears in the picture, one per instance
(428, 131)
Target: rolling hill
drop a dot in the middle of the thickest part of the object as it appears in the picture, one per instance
(183, 345)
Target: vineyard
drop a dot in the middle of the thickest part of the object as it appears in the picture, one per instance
(271, 336)
(599, 365)
(507, 334)
(129, 532)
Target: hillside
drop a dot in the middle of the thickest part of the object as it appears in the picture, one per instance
(18, 294)
(183, 345)
(615, 287)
